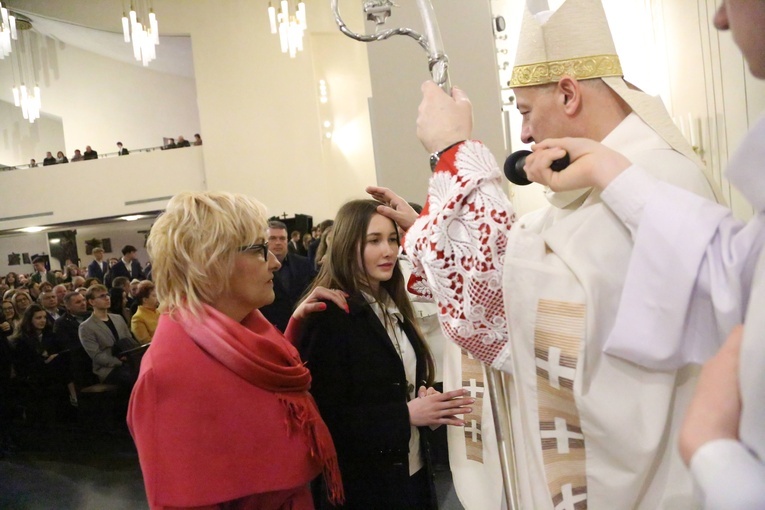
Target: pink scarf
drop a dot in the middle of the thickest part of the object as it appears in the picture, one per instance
(258, 353)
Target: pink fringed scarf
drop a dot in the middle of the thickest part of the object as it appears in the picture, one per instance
(258, 353)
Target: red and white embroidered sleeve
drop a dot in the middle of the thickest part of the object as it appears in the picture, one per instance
(457, 247)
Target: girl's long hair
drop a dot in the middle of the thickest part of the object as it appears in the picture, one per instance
(342, 270)
(27, 328)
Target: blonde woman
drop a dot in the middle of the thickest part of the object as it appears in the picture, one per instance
(221, 414)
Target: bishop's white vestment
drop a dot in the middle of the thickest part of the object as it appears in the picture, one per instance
(538, 300)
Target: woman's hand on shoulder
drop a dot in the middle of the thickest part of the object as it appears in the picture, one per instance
(432, 408)
(314, 302)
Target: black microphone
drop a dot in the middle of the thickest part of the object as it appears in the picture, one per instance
(515, 162)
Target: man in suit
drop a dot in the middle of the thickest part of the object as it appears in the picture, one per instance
(99, 267)
(296, 243)
(104, 333)
(66, 331)
(121, 150)
(41, 273)
(290, 281)
(128, 266)
(49, 302)
(49, 159)
(89, 153)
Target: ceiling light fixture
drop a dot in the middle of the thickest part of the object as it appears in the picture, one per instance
(141, 27)
(24, 68)
(290, 27)
(7, 31)
(32, 230)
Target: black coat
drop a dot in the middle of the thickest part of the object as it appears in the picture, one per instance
(67, 338)
(119, 269)
(359, 384)
(301, 274)
(98, 269)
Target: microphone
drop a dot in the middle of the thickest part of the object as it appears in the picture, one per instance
(514, 167)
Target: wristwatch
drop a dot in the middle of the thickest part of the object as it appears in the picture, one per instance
(437, 155)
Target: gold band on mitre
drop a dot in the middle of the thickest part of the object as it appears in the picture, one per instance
(582, 68)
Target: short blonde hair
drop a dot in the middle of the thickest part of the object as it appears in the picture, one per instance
(193, 244)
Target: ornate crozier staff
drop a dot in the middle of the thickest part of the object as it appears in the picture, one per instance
(438, 63)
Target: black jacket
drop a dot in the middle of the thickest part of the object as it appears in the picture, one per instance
(98, 269)
(119, 269)
(301, 273)
(359, 384)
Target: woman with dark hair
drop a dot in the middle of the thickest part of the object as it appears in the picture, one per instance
(324, 244)
(35, 354)
(372, 371)
(10, 319)
(118, 305)
(12, 280)
(61, 158)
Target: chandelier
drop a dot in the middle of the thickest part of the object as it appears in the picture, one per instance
(24, 67)
(140, 26)
(7, 31)
(290, 27)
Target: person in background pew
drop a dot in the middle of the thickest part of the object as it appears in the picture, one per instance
(144, 321)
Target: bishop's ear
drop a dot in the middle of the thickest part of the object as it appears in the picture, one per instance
(569, 93)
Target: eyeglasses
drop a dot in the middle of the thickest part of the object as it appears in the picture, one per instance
(262, 247)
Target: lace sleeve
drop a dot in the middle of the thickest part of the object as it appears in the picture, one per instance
(457, 248)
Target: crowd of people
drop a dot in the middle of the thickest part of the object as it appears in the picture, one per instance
(64, 330)
(172, 143)
(89, 153)
(61, 157)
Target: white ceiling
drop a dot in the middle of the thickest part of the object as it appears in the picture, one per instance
(173, 53)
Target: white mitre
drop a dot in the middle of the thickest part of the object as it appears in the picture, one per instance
(576, 41)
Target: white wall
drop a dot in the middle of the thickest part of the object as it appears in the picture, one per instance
(348, 155)
(258, 107)
(710, 80)
(100, 101)
(98, 188)
(33, 244)
(398, 68)
(120, 234)
(19, 138)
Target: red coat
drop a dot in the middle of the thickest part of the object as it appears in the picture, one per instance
(205, 435)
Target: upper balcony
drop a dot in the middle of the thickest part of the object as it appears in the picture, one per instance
(104, 187)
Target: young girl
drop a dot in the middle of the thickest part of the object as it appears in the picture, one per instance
(36, 355)
(371, 369)
(12, 280)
